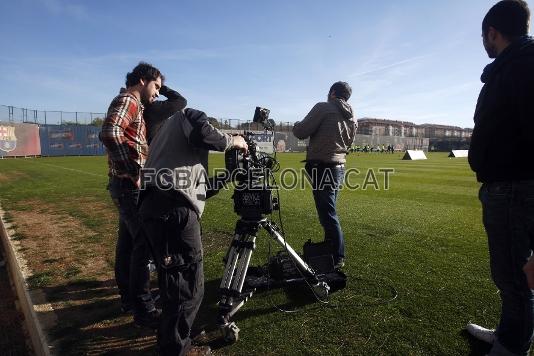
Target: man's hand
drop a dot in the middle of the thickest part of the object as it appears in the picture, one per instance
(528, 268)
(240, 143)
(164, 90)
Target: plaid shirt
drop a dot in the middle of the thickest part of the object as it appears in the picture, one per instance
(124, 136)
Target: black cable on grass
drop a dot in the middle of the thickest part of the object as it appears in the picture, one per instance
(287, 250)
(269, 249)
(325, 302)
(388, 286)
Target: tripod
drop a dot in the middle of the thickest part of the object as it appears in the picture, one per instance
(237, 262)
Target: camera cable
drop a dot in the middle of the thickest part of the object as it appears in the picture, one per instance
(387, 285)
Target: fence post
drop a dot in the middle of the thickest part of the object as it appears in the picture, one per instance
(76, 116)
(45, 117)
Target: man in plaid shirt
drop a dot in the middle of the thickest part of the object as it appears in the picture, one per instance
(124, 136)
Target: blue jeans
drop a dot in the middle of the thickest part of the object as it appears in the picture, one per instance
(326, 181)
(508, 216)
(132, 253)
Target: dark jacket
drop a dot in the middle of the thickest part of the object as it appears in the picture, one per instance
(158, 111)
(331, 128)
(503, 136)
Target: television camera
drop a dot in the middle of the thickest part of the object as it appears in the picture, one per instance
(253, 199)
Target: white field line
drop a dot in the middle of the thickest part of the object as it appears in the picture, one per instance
(71, 169)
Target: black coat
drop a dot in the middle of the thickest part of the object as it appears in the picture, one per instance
(502, 143)
(159, 111)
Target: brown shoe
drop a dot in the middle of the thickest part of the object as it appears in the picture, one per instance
(198, 351)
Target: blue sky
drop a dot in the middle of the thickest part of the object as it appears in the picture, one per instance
(417, 61)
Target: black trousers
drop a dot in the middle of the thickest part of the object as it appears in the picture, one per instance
(173, 230)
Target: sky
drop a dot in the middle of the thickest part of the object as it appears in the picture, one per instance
(411, 60)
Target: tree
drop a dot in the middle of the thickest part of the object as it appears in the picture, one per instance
(97, 121)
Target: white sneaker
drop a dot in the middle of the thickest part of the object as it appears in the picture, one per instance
(483, 334)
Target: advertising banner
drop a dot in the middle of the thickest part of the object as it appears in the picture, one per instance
(70, 140)
(287, 142)
(263, 139)
(19, 139)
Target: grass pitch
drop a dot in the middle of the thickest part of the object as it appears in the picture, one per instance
(421, 240)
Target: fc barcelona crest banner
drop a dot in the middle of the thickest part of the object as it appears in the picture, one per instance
(19, 139)
(8, 140)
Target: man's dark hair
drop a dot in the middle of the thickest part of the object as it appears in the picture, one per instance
(510, 17)
(143, 71)
(341, 90)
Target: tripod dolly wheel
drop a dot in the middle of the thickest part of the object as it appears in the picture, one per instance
(230, 333)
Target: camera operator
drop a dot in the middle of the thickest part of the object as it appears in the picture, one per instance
(175, 182)
(331, 129)
(124, 136)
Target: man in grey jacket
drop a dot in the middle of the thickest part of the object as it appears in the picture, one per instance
(175, 185)
(331, 128)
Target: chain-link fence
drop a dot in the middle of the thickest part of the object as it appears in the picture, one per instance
(24, 115)
(284, 140)
(47, 117)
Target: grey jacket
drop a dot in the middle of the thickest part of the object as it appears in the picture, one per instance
(178, 155)
(331, 129)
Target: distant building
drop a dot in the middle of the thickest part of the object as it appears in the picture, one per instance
(442, 131)
(383, 127)
(439, 137)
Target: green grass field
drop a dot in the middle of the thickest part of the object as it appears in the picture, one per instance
(421, 239)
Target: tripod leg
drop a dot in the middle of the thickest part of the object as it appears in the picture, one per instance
(320, 288)
(275, 234)
(242, 265)
(231, 260)
(237, 262)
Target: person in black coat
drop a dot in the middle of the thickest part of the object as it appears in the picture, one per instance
(505, 114)
(159, 111)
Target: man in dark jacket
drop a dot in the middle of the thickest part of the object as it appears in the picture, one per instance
(331, 128)
(505, 113)
(157, 112)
